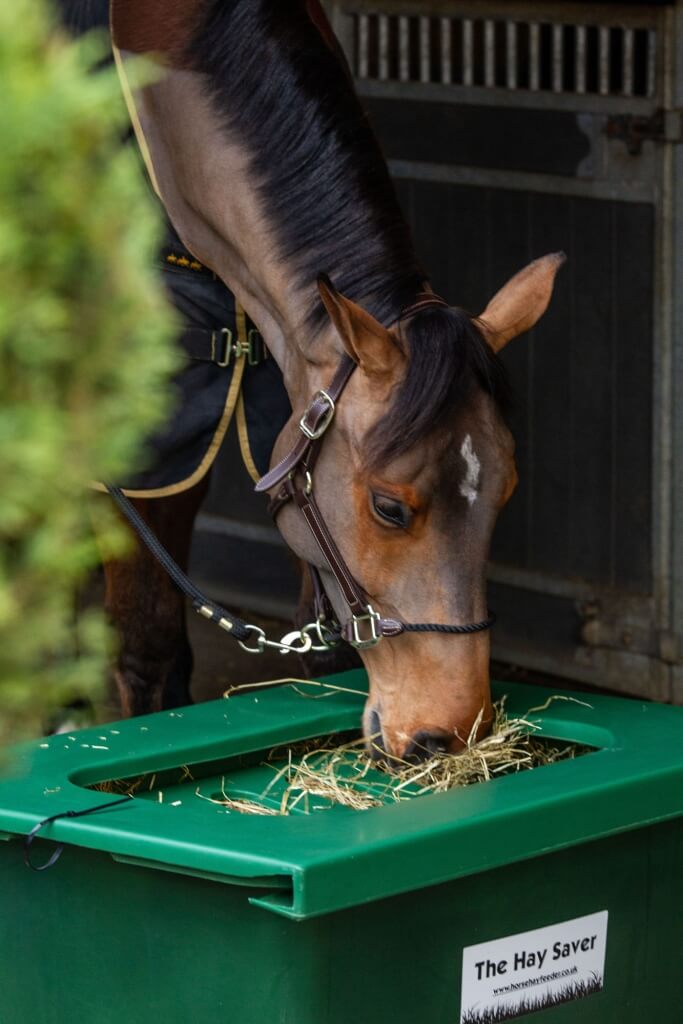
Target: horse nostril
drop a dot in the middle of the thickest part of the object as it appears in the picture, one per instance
(425, 744)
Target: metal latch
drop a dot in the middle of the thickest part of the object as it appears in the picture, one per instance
(633, 130)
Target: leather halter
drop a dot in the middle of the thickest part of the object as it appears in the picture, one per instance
(365, 627)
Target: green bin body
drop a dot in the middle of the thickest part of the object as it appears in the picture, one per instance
(168, 908)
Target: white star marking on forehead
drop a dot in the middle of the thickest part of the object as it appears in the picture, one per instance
(468, 487)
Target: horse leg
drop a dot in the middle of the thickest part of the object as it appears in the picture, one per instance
(154, 664)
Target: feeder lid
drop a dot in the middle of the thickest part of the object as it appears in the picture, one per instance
(309, 864)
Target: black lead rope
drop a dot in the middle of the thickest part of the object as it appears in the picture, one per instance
(200, 602)
(57, 853)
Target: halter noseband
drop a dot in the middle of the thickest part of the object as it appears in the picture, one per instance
(365, 627)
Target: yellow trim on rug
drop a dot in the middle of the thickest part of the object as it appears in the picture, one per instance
(135, 119)
(243, 436)
(211, 452)
(241, 321)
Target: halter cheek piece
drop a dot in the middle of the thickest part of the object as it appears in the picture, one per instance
(294, 477)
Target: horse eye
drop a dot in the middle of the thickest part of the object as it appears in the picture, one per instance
(391, 511)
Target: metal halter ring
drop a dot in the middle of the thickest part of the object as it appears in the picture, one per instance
(317, 629)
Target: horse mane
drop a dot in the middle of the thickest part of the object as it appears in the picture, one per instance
(321, 176)
(448, 359)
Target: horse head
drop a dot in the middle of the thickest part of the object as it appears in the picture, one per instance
(410, 480)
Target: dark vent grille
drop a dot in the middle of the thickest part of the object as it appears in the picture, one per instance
(536, 56)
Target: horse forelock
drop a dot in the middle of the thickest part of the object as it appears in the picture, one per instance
(321, 179)
(447, 359)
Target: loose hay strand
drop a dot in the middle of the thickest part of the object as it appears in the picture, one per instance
(243, 806)
(329, 688)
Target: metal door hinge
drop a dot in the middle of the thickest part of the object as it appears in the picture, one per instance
(633, 131)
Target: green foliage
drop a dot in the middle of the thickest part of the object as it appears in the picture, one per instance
(85, 351)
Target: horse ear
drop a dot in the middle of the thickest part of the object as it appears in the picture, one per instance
(162, 27)
(521, 302)
(365, 339)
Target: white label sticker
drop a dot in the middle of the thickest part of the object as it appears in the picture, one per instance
(532, 970)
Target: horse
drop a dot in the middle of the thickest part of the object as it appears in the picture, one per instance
(273, 179)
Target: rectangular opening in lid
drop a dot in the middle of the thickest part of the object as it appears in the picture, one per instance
(335, 773)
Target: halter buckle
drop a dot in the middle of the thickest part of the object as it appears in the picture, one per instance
(313, 433)
(373, 618)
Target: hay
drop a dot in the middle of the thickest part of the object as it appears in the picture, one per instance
(243, 806)
(347, 775)
(322, 773)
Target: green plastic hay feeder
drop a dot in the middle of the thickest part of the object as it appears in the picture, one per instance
(464, 906)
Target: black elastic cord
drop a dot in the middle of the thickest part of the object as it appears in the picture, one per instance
(57, 853)
(200, 601)
(435, 627)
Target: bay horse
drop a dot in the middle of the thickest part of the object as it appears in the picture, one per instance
(272, 177)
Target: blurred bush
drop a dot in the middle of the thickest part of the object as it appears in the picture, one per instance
(85, 351)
